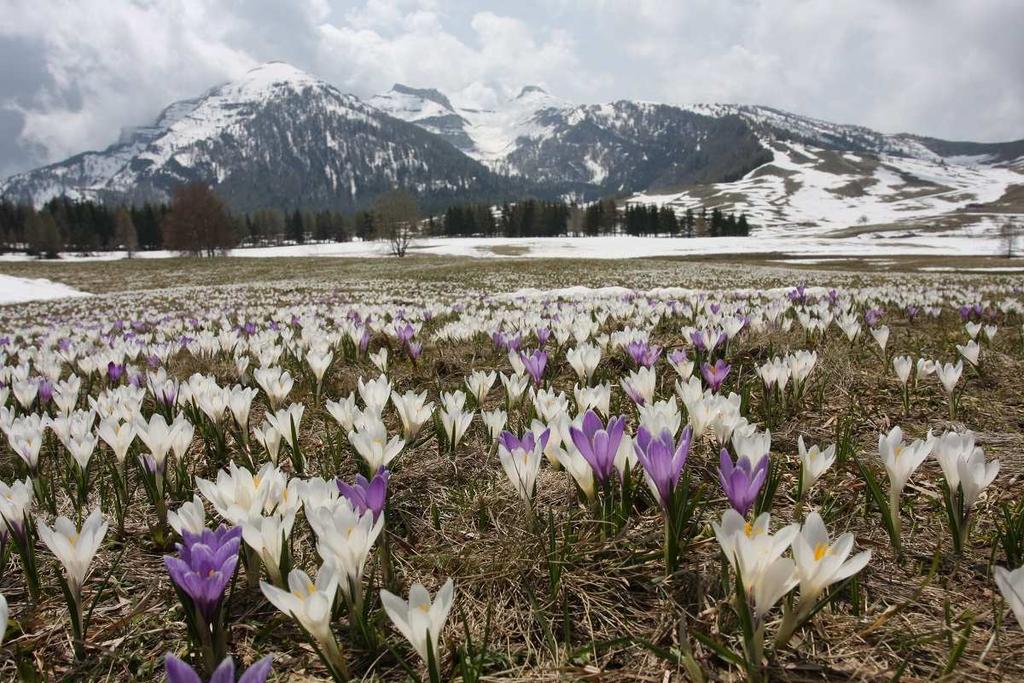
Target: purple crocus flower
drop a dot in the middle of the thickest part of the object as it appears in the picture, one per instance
(741, 482)
(698, 340)
(912, 312)
(677, 356)
(367, 495)
(598, 444)
(414, 349)
(499, 339)
(642, 353)
(873, 316)
(180, 672)
(715, 374)
(510, 442)
(833, 296)
(405, 333)
(204, 567)
(364, 341)
(662, 460)
(543, 334)
(114, 371)
(45, 392)
(513, 342)
(534, 364)
(153, 360)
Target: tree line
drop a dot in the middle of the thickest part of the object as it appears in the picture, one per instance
(197, 221)
(534, 218)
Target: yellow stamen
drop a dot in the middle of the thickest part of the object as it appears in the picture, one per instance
(820, 551)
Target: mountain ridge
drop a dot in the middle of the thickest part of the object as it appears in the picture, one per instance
(281, 137)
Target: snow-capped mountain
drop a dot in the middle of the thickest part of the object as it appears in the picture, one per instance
(781, 169)
(618, 147)
(283, 138)
(276, 137)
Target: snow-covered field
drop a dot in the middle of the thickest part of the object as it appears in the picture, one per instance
(902, 243)
(814, 191)
(15, 290)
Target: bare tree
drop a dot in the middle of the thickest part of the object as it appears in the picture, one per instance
(396, 219)
(198, 222)
(1009, 235)
(124, 229)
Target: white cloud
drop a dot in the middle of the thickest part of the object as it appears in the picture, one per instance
(944, 67)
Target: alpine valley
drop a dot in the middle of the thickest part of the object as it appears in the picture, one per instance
(279, 137)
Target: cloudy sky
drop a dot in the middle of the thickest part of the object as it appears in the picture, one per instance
(76, 71)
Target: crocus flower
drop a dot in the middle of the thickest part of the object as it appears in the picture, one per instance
(715, 375)
(662, 460)
(180, 672)
(741, 482)
(534, 364)
(1011, 585)
(598, 443)
(204, 567)
(3, 618)
(308, 602)
(419, 616)
(521, 458)
(367, 495)
(75, 548)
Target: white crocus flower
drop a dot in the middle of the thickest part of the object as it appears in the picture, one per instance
(308, 603)
(74, 548)
(494, 421)
(237, 494)
(344, 411)
(949, 375)
(267, 536)
(975, 476)
(371, 442)
(902, 460)
(515, 386)
(345, 539)
(971, 351)
(455, 424)
(319, 360)
(820, 562)
(584, 360)
(479, 385)
(3, 618)
(522, 465)
(190, 517)
(924, 368)
(593, 398)
(419, 616)
(157, 435)
(814, 462)
(287, 422)
(375, 393)
(269, 438)
(240, 403)
(1011, 585)
(118, 435)
(580, 470)
(380, 359)
(903, 365)
(81, 449)
(757, 556)
(639, 385)
(414, 412)
(881, 335)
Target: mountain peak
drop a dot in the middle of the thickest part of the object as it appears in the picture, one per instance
(431, 94)
(264, 79)
(530, 90)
